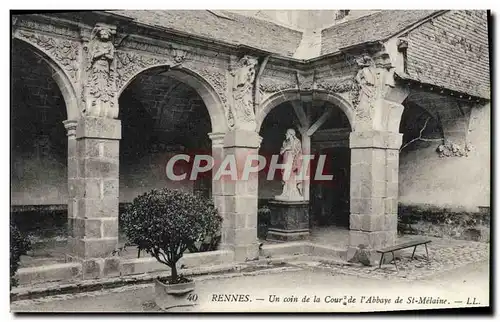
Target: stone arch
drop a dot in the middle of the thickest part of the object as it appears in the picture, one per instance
(292, 95)
(60, 77)
(210, 98)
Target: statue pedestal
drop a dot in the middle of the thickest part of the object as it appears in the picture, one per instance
(289, 220)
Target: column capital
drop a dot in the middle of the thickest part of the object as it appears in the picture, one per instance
(375, 139)
(70, 126)
(217, 138)
(242, 139)
(99, 128)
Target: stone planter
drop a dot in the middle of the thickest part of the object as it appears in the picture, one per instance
(173, 295)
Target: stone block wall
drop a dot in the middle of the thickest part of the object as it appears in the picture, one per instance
(39, 143)
(161, 117)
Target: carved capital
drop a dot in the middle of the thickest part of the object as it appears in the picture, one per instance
(70, 126)
(217, 139)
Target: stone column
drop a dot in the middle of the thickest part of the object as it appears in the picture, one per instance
(217, 191)
(94, 214)
(70, 126)
(238, 198)
(374, 190)
(306, 150)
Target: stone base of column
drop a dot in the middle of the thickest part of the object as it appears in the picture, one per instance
(369, 257)
(244, 253)
(287, 235)
(363, 246)
(289, 220)
(96, 256)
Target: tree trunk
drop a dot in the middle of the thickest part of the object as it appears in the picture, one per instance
(174, 273)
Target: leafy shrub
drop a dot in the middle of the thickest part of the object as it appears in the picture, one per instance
(165, 223)
(19, 245)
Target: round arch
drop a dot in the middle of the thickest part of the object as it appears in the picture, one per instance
(294, 95)
(207, 93)
(61, 79)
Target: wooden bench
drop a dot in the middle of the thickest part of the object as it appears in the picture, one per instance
(392, 249)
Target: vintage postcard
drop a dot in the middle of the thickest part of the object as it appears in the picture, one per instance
(250, 160)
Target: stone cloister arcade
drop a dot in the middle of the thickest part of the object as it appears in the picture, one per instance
(98, 62)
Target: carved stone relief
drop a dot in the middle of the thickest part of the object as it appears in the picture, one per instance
(305, 81)
(99, 94)
(374, 78)
(218, 80)
(450, 149)
(129, 64)
(273, 85)
(342, 85)
(243, 78)
(63, 51)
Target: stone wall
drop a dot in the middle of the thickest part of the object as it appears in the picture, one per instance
(38, 142)
(160, 117)
(456, 182)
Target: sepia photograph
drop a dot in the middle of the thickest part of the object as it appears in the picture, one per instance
(250, 161)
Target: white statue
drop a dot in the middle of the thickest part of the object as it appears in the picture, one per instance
(292, 155)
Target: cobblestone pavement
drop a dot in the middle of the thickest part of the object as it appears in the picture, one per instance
(444, 255)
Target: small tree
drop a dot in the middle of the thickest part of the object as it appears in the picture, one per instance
(19, 245)
(166, 222)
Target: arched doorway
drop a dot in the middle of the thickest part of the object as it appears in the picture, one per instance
(326, 134)
(164, 113)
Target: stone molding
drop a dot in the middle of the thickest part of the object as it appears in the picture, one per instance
(375, 139)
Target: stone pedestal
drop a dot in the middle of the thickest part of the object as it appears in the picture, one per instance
(93, 191)
(289, 220)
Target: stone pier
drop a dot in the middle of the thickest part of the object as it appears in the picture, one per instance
(374, 189)
(237, 199)
(93, 186)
